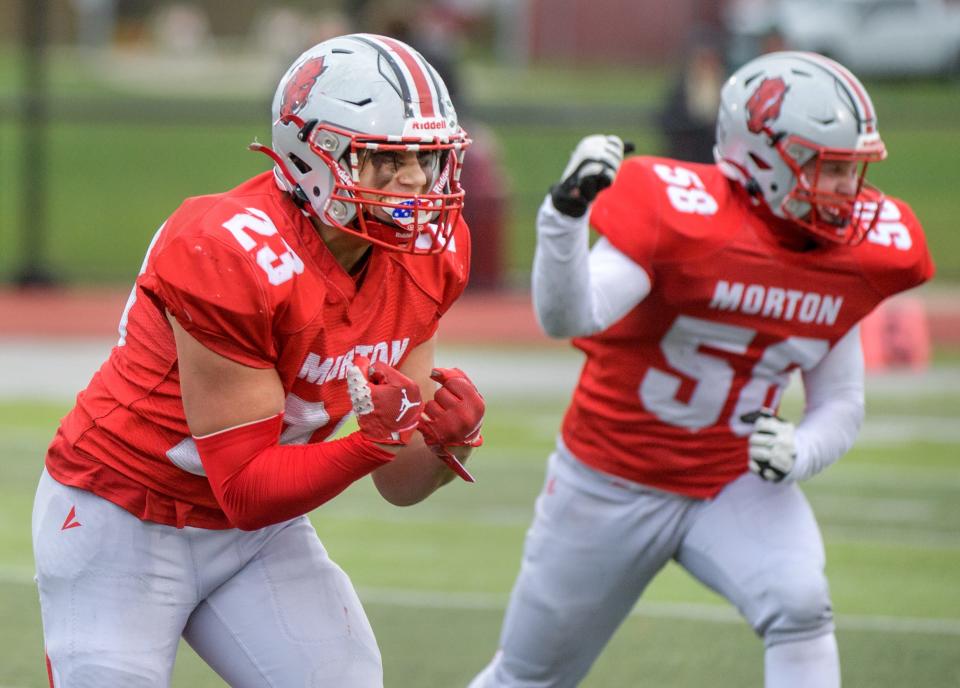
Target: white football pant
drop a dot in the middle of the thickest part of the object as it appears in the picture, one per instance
(597, 541)
(266, 608)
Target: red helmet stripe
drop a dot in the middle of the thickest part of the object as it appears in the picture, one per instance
(866, 107)
(417, 72)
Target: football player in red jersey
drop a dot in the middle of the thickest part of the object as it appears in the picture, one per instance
(708, 286)
(174, 496)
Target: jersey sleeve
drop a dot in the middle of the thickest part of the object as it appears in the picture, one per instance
(627, 213)
(214, 293)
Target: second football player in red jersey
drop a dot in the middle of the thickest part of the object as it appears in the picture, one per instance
(709, 285)
(174, 494)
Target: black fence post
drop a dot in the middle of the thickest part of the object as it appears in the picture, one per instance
(33, 154)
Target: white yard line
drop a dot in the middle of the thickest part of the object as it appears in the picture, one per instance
(712, 613)
(45, 369)
(660, 610)
(55, 371)
(58, 369)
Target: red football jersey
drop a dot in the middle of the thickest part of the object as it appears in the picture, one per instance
(730, 314)
(247, 275)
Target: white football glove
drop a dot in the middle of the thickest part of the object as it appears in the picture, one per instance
(592, 167)
(772, 450)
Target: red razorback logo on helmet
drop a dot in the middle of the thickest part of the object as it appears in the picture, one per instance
(298, 86)
(764, 105)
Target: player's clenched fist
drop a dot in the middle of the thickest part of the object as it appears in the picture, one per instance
(592, 167)
(387, 402)
(771, 447)
(454, 416)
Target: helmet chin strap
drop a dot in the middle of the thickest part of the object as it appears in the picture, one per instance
(272, 154)
(747, 180)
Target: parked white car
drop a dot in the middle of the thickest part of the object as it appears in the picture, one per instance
(871, 37)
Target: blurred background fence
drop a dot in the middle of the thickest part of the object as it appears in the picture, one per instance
(113, 111)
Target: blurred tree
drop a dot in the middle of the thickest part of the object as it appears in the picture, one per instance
(33, 127)
(688, 118)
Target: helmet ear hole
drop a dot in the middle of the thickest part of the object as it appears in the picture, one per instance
(759, 162)
(299, 164)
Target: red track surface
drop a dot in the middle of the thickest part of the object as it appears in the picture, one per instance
(501, 318)
(481, 318)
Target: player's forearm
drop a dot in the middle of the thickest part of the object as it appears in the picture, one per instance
(258, 482)
(834, 407)
(827, 433)
(415, 474)
(561, 274)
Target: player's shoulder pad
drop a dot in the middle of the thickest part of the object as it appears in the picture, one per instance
(894, 255)
(249, 224)
(443, 276)
(657, 205)
(222, 265)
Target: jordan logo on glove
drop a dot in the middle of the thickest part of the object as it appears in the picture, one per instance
(382, 398)
(405, 404)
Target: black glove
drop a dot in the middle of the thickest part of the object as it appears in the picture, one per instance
(591, 169)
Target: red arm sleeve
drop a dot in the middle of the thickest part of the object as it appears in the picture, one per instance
(259, 482)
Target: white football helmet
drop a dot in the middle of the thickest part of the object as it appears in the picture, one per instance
(353, 96)
(780, 111)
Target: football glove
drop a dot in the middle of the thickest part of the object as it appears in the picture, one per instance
(453, 417)
(592, 167)
(772, 451)
(387, 403)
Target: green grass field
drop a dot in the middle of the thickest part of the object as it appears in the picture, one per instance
(435, 577)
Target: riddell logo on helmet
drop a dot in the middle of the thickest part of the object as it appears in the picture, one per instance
(443, 179)
(428, 125)
(297, 90)
(765, 103)
(342, 175)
